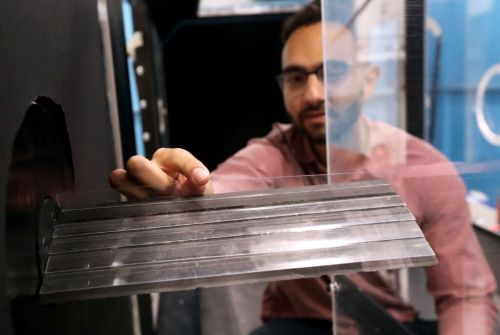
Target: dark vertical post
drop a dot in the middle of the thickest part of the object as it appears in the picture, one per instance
(145, 79)
(122, 78)
(414, 68)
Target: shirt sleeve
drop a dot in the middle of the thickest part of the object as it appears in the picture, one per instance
(461, 283)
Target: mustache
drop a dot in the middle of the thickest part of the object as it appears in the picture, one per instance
(312, 108)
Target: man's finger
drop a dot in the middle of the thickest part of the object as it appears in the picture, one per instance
(175, 160)
(147, 173)
(189, 189)
(120, 181)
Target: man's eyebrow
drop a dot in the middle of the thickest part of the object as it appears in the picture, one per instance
(293, 68)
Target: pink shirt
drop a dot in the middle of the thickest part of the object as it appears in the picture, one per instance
(461, 283)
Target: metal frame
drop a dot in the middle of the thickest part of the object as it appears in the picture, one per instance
(414, 68)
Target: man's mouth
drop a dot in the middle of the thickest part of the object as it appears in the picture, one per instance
(314, 114)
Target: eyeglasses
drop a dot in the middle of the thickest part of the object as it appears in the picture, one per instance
(294, 80)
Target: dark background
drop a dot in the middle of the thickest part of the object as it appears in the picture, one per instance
(220, 83)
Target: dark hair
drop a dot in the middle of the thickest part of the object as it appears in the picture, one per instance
(307, 15)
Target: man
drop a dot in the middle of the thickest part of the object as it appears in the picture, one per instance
(461, 283)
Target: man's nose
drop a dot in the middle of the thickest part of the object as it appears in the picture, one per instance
(314, 90)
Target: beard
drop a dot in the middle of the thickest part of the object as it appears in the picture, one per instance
(315, 133)
(340, 121)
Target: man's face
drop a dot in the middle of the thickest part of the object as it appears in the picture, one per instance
(305, 100)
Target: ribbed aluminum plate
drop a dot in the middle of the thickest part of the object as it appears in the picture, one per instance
(231, 238)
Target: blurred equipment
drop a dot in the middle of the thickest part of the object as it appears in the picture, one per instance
(490, 135)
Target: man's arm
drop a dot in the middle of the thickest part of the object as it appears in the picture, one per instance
(462, 282)
(169, 172)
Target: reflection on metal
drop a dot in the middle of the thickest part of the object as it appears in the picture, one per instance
(492, 137)
(231, 238)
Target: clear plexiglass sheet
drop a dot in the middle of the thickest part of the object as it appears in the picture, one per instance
(364, 54)
(448, 180)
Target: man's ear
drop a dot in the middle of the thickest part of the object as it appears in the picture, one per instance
(370, 81)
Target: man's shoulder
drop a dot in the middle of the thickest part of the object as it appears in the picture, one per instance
(268, 147)
(280, 135)
(415, 150)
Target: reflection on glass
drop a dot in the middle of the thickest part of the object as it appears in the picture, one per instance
(363, 41)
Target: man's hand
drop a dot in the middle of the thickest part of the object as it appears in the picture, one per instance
(169, 172)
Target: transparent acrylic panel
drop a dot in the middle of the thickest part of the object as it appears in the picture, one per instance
(364, 59)
(462, 79)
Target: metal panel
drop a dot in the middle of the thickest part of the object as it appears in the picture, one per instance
(231, 238)
(228, 200)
